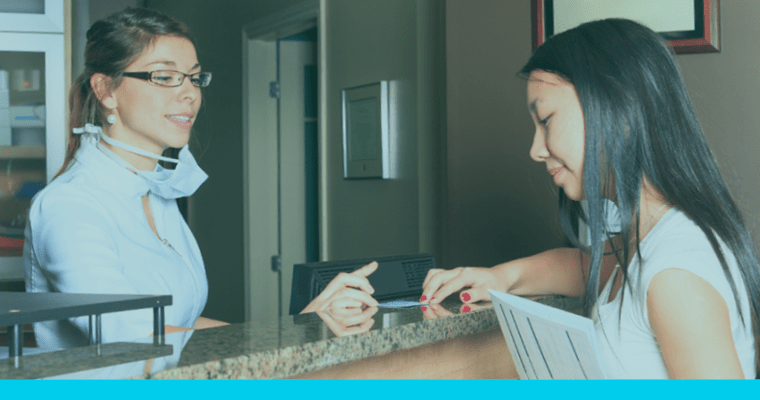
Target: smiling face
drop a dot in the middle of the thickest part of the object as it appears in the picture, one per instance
(559, 138)
(153, 117)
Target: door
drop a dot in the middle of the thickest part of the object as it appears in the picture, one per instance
(281, 166)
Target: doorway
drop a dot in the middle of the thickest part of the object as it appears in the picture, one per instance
(280, 156)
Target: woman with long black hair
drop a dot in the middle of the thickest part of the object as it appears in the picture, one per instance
(672, 283)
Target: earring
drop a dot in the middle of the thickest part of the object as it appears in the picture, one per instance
(111, 119)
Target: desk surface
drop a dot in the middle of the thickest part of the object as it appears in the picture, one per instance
(299, 344)
(18, 308)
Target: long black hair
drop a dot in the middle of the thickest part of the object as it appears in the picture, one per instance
(113, 43)
(640, 122)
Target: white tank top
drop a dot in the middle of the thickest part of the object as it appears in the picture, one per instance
(626, 339)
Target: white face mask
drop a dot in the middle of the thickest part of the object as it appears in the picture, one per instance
(182, 181)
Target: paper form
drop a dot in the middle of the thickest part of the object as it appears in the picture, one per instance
(547, 343)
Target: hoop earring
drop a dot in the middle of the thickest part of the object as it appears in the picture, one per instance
(111, 119)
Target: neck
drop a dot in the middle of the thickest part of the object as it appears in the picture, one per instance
(652, 206)
(141, 163)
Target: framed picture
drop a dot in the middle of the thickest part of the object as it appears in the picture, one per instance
(690, 26)
(365, 131)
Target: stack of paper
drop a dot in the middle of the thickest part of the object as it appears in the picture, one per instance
(548, 343)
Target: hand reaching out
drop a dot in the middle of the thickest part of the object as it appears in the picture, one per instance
(440, 283)
(346, 291)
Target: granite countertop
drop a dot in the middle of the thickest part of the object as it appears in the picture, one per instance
(279, 348)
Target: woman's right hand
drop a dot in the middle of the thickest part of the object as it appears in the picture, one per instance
(440, 283)
(346, 290)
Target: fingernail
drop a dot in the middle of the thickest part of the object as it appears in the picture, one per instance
(432, 298)
(424, 308)
(466, 296)
(423, 298)
(466, 309)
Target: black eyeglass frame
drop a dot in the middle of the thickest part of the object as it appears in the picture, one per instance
(148, 76)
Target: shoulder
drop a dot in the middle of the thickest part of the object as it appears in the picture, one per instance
(676, 233)
(76, 193)
(679, 254)
(677, 242)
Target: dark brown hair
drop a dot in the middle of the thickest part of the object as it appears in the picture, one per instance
(113, 44)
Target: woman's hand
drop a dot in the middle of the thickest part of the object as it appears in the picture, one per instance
(348, 321)
(440, 283)
(555, 271)
(346, 291)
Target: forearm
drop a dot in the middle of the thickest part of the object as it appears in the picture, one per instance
(556, 271)
(203, 323)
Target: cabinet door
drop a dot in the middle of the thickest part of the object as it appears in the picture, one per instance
(34, 67)
(32, 131)
(31, 16)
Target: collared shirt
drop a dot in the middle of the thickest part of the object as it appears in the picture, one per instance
(87, 232)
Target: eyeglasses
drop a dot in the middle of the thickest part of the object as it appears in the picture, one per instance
(172, 78)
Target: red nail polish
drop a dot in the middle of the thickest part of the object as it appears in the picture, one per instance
(432, 298)
(466, 309)
(424, 308)
(466, 296)
(423, 298)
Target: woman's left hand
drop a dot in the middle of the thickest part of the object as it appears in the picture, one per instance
(346, 291)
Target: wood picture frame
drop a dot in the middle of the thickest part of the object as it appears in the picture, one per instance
(705, 38)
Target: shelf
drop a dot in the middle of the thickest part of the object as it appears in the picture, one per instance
(22, 152)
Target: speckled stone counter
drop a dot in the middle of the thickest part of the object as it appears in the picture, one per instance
(286, 347)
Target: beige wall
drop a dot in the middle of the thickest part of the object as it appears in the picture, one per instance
(502, 204)
(725, 89)
(366, 42)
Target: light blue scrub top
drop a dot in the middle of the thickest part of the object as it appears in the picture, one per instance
(87, 233)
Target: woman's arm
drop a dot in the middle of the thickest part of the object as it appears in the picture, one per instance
(556, 271)
(561, 271)
(205, 323)
(690, 320)
(200, 323)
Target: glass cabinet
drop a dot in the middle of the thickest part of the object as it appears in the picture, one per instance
(32, 116)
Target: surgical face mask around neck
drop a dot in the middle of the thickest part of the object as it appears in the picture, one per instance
(182, 181)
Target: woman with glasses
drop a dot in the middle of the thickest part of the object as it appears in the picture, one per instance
(109, 223)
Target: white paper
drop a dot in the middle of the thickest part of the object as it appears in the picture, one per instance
(401, 304)
(546, 342)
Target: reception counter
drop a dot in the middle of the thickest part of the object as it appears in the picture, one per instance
(449, 341)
